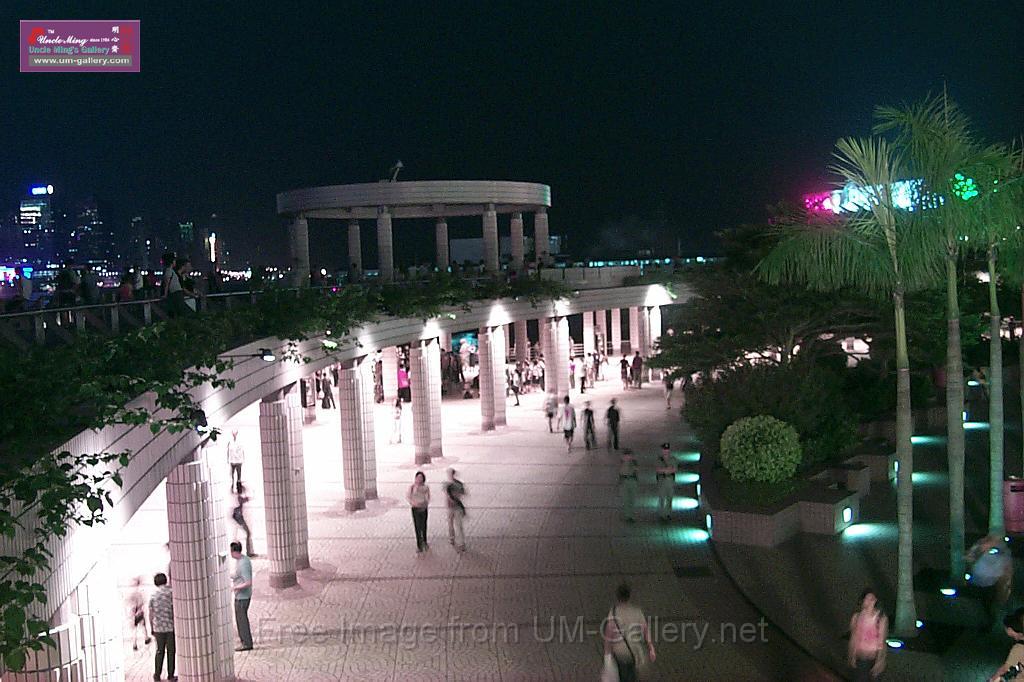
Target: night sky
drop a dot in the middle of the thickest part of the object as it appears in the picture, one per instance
(681, 110)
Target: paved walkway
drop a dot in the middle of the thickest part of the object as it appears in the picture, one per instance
(546, 551)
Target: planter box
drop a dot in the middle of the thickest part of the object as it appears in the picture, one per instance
(827, 511)
(882, 467)
(751, 528)
(853, 476)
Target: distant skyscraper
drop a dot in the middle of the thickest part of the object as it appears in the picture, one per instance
(92, 237)
(36, 222)
(143, 245)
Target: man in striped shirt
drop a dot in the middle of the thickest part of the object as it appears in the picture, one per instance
(161, 623)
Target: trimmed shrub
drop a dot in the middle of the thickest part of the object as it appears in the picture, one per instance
(761, 449)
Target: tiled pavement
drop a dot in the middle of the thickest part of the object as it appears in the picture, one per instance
(546, 550)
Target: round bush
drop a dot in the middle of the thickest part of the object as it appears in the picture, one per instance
(761, 448)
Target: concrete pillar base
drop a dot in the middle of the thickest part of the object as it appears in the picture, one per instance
(302, 562)
(280, 581)
(354, 505)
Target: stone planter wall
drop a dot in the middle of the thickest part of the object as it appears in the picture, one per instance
(750, 528)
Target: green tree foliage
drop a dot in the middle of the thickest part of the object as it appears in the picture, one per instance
(803, 394)
(761, 448)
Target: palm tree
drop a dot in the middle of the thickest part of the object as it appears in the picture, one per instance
(996, 219)
(936, 138)
(881, 251)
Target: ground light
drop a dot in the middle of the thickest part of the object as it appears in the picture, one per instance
(687, 456)
(267, 355)
(948, 591)
(687, 536)
(894, 643)
(698, 490)
(686, 477)
(927, 478)
(927, 440)
(707, 522)
(847, 515)
(684, 503)
(919, 623)
(974, 426)
(876, 531)
(967, 577)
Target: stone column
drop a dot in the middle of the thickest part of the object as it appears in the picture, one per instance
(492, 260)
(616, 332)
(522, 341)
(420, 385)
(548, 328)
(498, 354)
(486, 380)
(433, 353)
(351, 404)
(506, 334)
(63, 661)
(355, 251)
(634, 330)
(588, 333)
(601, 329)
(389, 374)
(444, 339)
(300, 251)
(309, 411)
(385, 253)
(199, 575)
(655, 326)
(517, 241)
(369, 431)
(562, 338)
(278, 490)
(298, 460)
(540, 236)
(441, 240)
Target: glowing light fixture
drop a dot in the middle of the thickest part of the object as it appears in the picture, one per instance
(707, 522)
(685, 503)
(919, 623)
(948, 591)
(688, 457)
(975, 426)
(894, 643)
(963, 187)
(847, 514)
(267, 355)
(330, 344)
(686, 477)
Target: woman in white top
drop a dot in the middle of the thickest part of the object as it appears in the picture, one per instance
(627, 638)
(419, 499)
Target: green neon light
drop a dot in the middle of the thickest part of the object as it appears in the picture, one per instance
(963, 187)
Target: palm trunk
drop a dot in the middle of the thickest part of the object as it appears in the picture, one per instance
(954, 422)
(1020, 369)
(995, 410)
(906, 612)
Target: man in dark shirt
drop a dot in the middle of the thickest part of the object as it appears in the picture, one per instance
(611, 417)
(589, 435)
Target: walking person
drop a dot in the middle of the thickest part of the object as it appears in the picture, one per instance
(627, 638)
(327, 386)
(665, 474)
(238, 516)
(611, 418)
(638, 370)
(161, 620)
(589, 435)
(138, 614)
(236, 457)
(455, 490)
(550, 408)
(512, 384)
(418, 496)
(629, 481)
(567, 420)
(624, 372)
(992, 570)
(670, 385)
(868, 630)
(241, 584)
(396, 429)
(572, 372)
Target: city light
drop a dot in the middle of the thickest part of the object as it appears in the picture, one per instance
(963, 187)
(41, 190)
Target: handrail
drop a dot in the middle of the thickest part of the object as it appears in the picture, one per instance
(52, 326)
